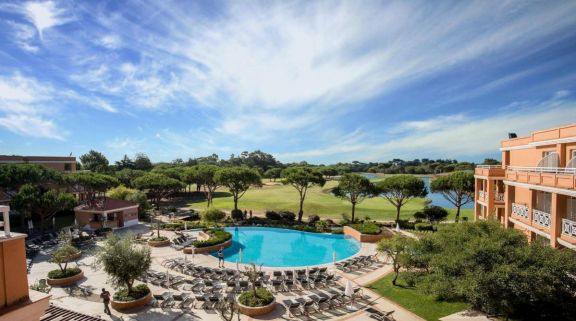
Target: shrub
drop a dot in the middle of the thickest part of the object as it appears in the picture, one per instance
(263, 297)
(313, 219)
(213, 215)
(192, 216)
(159, 238)
(345, 219)
(61, 274)
(337, 230)
(139, 291)
(271, 215)
(102, 231)
(237, 215)
(288, 216)
(217, 236)
(405, 224)
(423, 227)
(366, 228)
(322, 226)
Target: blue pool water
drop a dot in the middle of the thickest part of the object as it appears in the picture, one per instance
(275, 247)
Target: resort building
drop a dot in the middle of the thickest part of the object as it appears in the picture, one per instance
(17, 302)
(106, 212)
(62, 164)
(534, 190)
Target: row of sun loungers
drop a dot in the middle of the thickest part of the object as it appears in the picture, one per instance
(356, 263)
(323, 301)
(182, 241)
(187, 301)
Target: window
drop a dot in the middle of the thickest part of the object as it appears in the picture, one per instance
(571, 208)
(543, 201)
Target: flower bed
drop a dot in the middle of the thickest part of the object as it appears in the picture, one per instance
(159, 241)
(216, 237)
(68, 277)
(262, 303)
(139, 297)
(366, 228)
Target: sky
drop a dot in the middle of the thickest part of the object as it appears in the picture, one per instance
(321, 81)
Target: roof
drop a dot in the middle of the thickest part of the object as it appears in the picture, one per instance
(36, 159)
(55, 313)
(105, 204)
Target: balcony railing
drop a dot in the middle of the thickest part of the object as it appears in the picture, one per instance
(520, 210)
(554, 170)
(482, 195)
(499, 197)
(488, 166)
(569, 227)
(541, 218)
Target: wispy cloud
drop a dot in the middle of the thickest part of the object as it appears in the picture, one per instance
(33, 126)
(44, 15)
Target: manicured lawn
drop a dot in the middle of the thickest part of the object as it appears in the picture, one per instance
(318, 201)
(425, 306)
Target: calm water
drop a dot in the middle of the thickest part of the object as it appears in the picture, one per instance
(276, 247)
(437, 199)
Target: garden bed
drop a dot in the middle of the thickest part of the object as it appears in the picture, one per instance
(263, 304)
(363, 236)
(71, 276)
(159, 241)
(141, 296)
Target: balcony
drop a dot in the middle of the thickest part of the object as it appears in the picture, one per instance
(559, 177)
(499, 197)
(489, 170)
(520, 210)
(541, 218)
(569, 227)
(481, 196)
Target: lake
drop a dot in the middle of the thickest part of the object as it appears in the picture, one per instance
(437, 198)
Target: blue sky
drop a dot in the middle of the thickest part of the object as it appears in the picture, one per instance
(322, 81)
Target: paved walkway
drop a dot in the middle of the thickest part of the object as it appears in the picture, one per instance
(79, 299)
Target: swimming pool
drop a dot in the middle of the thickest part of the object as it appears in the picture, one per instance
(276, 247)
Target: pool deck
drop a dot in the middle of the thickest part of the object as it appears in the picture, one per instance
(94, 280)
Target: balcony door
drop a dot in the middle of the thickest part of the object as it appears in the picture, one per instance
(543, 201)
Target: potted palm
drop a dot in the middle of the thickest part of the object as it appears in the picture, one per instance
(125, 261)
(256, 301)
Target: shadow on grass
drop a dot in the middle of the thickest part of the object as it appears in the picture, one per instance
(200, 197)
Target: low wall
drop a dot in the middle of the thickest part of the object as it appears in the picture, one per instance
(127, 305)
(208, 249)
(257, 311)
(66, 281)
(366, 238)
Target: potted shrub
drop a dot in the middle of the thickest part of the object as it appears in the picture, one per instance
(124, 261)
(62, 256)
(158, 241)
(257, 301)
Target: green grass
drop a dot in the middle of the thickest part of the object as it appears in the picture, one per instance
(318, 201)
(426, 306)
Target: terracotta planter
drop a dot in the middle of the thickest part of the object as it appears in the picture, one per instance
(208, 249)
(367, 238)
(256, 311)
(66, 281)
(159, 243)
(127, 305)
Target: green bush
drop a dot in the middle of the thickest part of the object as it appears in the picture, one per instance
(272, 215)
(313, 219)
(337, 230)
(322, 226)
(406, 225)
(237, 215)
(423, 227)
(366, 228)
(288, 216)
(102, 231)
(68, 272)
(213, 215)
(139, 291)
(159, 238)
(217, 236)
(263, 297)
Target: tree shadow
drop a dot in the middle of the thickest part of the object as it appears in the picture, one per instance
(200, 197)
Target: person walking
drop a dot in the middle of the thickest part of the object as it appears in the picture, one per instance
(221, 257)
(105, 296)
(245, 214)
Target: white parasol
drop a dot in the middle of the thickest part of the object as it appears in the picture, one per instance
(30, 225)
(193, 254)
(241, 255)
(397, 227)
(349, 292)
(334, 257)
(185, 226)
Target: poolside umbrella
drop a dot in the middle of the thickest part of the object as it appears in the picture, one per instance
(397, 227)
(185, 226)
(168, 279)
(54, 221)
(185, 258)
(334, 257)
(349, 292)
(237, 265)
(240, 255)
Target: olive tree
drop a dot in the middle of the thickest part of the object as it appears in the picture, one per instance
(238, 180)
(302, 178)
(396, 249)
(354, 188)
(457, 188)
(123, 260)
(400, 189)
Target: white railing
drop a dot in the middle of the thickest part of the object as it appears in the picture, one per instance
(499, 197)
(555, 170)
(569, 227)
(482, 195)
(541, 218)
(5, 224)
(520, 210)
(488, 166)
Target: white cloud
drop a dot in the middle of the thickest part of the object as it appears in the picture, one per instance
(33, 126)
(44, 15)
(23, 36)
(110, 41)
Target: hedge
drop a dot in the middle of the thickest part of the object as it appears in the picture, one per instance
(217, 236)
